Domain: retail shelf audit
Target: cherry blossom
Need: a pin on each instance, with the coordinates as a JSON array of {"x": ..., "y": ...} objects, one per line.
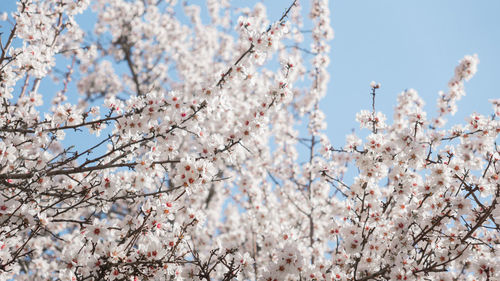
[{"x": 189, "y": 163}]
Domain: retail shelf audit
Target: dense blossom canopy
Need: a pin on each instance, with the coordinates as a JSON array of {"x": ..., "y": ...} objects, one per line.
[{"x": 191, "y": 165}]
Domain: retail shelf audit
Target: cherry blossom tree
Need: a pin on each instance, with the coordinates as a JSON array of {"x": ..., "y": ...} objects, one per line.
[{"x": 192, "y": 164}]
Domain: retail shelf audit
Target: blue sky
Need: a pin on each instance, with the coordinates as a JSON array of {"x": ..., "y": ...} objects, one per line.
[
  {"x": 401, "y": 44},
  {"x": 409, "y": 44}
]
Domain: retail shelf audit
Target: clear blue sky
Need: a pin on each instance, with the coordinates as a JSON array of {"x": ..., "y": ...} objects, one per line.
[
  {"x": 409, "y": 44},
  {"x": 401, "y": 44}
]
